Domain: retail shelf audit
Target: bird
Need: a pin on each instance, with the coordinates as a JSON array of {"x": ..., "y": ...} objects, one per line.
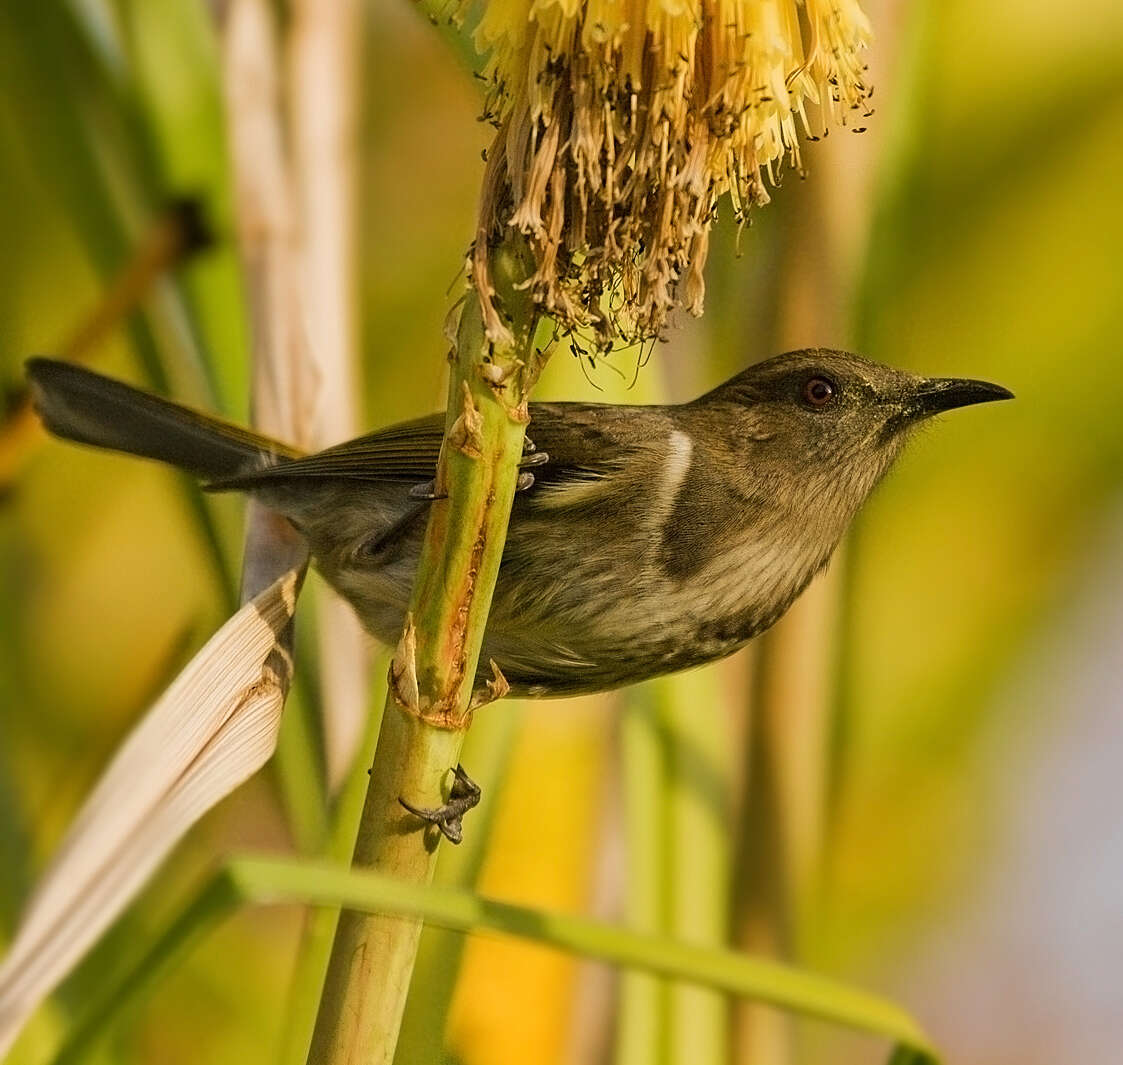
[{"x": 648, "y": 539}]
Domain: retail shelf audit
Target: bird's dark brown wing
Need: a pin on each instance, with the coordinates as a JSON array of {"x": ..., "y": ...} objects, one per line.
[
  {"x": 405, "y": 452},
  {"x": 585, "y": 441},
  {"x": 582, "y": 440}
]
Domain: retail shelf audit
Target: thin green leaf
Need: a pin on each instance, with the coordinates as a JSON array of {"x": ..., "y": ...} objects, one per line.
[
  {"x": 282, "y": 880},
  {"x": 904, "y": 1055}
]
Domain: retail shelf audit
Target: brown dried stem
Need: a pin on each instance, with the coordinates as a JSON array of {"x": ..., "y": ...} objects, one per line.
[
  {"x": 282, "y": 388},
  {"x": 323, "y": 67}
]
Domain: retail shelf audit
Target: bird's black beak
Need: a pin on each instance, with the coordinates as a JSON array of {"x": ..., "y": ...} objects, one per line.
[{"x": 946, "y": 393}]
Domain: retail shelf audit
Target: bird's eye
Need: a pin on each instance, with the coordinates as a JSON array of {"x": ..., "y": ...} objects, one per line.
[{"x": 819, "y": 392}]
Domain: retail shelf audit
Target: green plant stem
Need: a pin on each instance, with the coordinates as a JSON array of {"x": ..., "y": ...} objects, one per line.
[
  {"x": 487, "y": 749},
  {"x": 320, "y": 924},
  {"x": 432, "y": 676},
  {"x": 372, "y": 957},
  {"x": 641, "y": 1025},
  {"x": 298, "y": 772},
  {"x": 697, "y": 810},
  {"x": 286, "y": 881}
]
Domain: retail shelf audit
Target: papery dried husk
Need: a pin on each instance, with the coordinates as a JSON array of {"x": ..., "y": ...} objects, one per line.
[{"x": 621, "y": 125}]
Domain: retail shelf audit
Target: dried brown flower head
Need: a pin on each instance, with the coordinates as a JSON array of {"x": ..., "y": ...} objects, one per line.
[{"x": 621, "y": 123}]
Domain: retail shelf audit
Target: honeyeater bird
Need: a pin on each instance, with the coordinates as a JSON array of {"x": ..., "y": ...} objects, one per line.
[{"x": 649, "y": 539}]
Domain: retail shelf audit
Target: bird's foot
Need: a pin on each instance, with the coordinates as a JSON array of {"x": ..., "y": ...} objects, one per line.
[
  {"x": 531, "y": 457},
  {"x": 464, "y": 795},
  {"x": 534, "y": 458},
  {"x": 427, "y": 490}
]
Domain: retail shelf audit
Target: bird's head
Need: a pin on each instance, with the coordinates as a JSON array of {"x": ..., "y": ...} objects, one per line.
[{"x": 821, "y": 426}]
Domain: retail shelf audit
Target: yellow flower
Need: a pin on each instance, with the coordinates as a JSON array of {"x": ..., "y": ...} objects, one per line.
[{"x": 621, "y": 123}]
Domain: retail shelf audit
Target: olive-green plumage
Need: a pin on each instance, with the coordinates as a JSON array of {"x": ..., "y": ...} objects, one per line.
[{"x": 652, "y": 539}]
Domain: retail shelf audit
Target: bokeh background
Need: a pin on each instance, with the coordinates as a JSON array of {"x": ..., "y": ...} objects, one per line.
[{"x": 913, "y": 783}]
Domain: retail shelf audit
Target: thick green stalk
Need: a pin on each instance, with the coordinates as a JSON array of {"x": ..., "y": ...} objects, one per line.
[
  {"x": 440, "y": 955},
  {"x": 431, "y": 680}
]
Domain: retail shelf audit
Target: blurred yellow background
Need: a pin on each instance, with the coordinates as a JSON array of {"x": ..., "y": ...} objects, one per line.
[{"x": 911, "y": 784}]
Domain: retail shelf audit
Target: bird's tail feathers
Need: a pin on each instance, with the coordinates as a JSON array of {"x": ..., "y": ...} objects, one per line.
[{"x": 89, "y": 408}]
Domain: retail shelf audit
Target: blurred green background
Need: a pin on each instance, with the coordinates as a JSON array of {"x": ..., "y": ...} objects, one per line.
[{"x": 912, "y": 784}]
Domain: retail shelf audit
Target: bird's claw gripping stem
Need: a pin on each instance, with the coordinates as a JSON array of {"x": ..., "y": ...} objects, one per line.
[
  {"x": 464, "y": 795},
  {"x": 427, "y": 490}
]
